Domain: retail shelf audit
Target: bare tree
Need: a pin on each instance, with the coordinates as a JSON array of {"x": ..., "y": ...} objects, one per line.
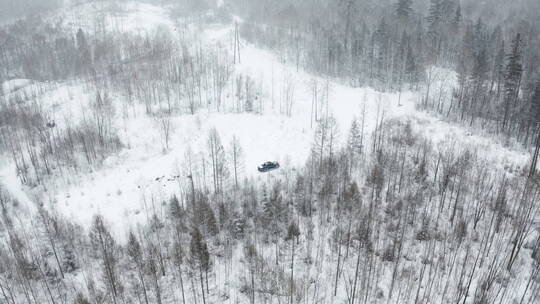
[
  {"x": 104, "y": 244},
  {"x": 236, "y": 157}
]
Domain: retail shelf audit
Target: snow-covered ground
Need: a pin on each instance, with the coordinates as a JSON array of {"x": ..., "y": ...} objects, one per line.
[
  {"x": 142, "y": 175},
  {"x": 9, "y": 182},
  {"x": 14, "y": 85},
  {"x": 136, "y": 17}
]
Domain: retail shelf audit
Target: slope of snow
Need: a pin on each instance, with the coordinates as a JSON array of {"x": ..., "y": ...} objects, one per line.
[
  {"x": 65, "y": 103},
  {"x": 127, "y": 186},
  {"x": 9, "y": 183},
  {"x": 14, "y": 85},
  {"x": 132, "y": 16}
]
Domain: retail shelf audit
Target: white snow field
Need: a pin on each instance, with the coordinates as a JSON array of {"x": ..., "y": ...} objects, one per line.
[{"x": 126, "y": 185}]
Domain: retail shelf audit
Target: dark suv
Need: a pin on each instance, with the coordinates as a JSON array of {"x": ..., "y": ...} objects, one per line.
[{"x": 268, "y": 166}]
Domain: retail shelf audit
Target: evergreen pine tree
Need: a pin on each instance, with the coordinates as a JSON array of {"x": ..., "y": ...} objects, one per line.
[
  {"x": 177, "y": 214},
  {"x": 178, "y": 261},
  {"x": 223, "y": 216},
  {"x": 218, "y": 158},
  {"x": 292, "y": 232},
  {"x": 512, "y": 78},
  {"x": 435, "y": 14},
  {"x": 178, "y": 254},
  {"x": 457, "y": 17},
  {"x": 404, "y": 8},
  {"x": 152, "y": 268},
  {"x": 411, "y": 70},
  {"x": 447, "y": 10},
  {"x": 274, "y": 212},
  {"x": 156, "y": 224},
  {"x": 211, "y": 222},
  {"x": 302, "y": 202},
  {"x": 238, "y": 226},
  {"x": 292, "y": 235},
  {"x": 84, "y": 48},
  {"x": 514, "y": 68},
  {"x": 481, "y": 68},
  {"x": 134, "y": 252},
  {"x": 535, "y": 105},
  {"x": 354, "y": 142},
  {"x": 205, "y": 217},
  {"x": 480, "y": 37},
  {"x": 175, "y": 209},
  {"x": 468, "y": 46},
  {"x": 69, "y": 261},
  {"x": 104, "y": 244},
  {"x": 498, "y": 68},
  {"x": 81, "y": 299},
  {"x": 382, "y": 37},
  {"x": 199, "y": 249},
  {"x": 200, "y": 258},
  {"x": 133, "y": 248}
]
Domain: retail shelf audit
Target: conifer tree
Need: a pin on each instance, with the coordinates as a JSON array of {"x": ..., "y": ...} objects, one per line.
[
  {"x": 250, "y": 252},
  {"x": 512, "y": 78},
  {"x": 435, "y": 14},
  {"x": 84, "y": 48},
  {"x": 410, "y": 67},
  {"x": 535, "y": 106},
  {"x": 178, "y": 261},
  {"x": 211, "y": 221},
  {"x": 223, "y": 214},
  {"x": 134, "y": 252},
  {"x": 404, "y": 8},
  {"x": 498, "y": 69},
  {"x": 81, "y": 299},
  {"x": 200, "y": 259},
  {"x": 481, "y": 68},
  {"x": 292, "y": 235},
  {"x": 153, "y": 269},
  {"x": 177, "y": 214},
  {"x": 69, "y": 261},
  {"x": 236, "y": 155},
  {"x": 104, "y": 244},
  {"x": 355, "y": 141},
  {"x": 447, "y": 9},
  {"x": 457, "y": 17},
  {"x": 218, "y": 159},
  {"x": 205, "y": 217}
]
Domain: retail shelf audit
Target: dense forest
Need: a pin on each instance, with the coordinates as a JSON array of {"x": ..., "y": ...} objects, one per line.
[{"x": 387, "y": 215}]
